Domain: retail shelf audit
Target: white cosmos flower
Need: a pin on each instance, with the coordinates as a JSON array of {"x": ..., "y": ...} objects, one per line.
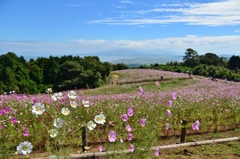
[
  {"x": 85, "y": 103},
  {"x": 91, "y": 125},
  {"x": 54, "y": 98},
  {"x": 53, "y": 132},
  {"x": 38, "y": 108},
  {"x": 58, "y": 123},
  {"x": 59, "y": 95},
  {"x": 100, "y": 119},
  {"x": 73, "y": 104},
  {"x": 49, "y": 90},
  {"x": 65, "y": 111},
  {"x": 72, "y": 95},
  {"x": 24, "y": 148}
]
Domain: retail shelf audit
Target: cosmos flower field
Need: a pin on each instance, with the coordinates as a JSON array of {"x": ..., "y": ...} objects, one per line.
[{"x": 53, "y": 122}]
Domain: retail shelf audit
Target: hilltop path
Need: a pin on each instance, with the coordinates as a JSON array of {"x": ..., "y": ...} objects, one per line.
[{"x": 115, "y": 78}]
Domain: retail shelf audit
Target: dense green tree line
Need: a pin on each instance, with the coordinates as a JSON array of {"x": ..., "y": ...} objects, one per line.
[
  {"x": 204, "y": 65},
  {"x": 58, "y": 73}
]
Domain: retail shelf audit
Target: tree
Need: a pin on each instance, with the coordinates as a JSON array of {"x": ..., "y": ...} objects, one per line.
[
  {"x": 119, "y": 66},
  {"x": 191, "y": 58},
  {"x": 234, "y": 62},
  {"x": 210, "y": 59},
  {"x": 36, "y": 74},
  {"x": 70, "y": 75}
]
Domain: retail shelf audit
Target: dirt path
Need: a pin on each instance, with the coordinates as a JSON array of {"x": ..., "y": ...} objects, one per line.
[{"x": 114, "y": 80}]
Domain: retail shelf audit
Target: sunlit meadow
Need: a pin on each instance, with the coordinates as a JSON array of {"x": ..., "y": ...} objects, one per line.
[{"x": 130, "y": 116}]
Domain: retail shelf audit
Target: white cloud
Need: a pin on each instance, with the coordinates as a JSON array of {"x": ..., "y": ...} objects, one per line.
[
  {"x": 237, "y": 31},
  {"x": 216, "y": 44},
  {"x": 126, "y": 1},
  {"x": 211, "y": 14}
]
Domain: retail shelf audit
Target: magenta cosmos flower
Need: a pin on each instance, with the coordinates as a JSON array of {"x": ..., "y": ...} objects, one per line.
[
  {"x": 100, "y": 148},
  {"x": 156, "y": 152},
  {"x": 168, "y": 113},
  {"x": 128, "y": 127},
  {"x": 130, "y": 112},
  {"x": 169, "y": 103},
  {"x": 130, "y": 136},
  {"x": 140, "y": 90},
  {"x": 124, "y": 117},
  {"x": 143, "y": 121},
  {"x": 174, "y": 96},
  {"x": 195, "y": 126},
  {"x": 167, "y": 126},
  {"x": 14, "y": 120},
  {"x": 112, "y": 136},
  {"x": 25, "y": 132},
  {"x": 131, "y": 148},
  {"x": 6, "y": 110}
]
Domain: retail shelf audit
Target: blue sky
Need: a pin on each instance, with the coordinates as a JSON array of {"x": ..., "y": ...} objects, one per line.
[{"x": 113, "y": 29}]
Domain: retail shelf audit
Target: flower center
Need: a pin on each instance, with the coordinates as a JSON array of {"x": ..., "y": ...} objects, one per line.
[
  {"x": 24, "y": 147},
  {"x": 38, "y": 109}
]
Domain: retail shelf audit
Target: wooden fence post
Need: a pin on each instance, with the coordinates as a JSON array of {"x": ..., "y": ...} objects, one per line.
[
  {"x": 84, "y": 138},
  {"x": 183, "y": 132}
]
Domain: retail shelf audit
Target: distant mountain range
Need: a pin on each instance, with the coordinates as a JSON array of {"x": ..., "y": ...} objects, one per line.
[
  {"x": 141, "y": 57},
  {"x": 126, "y": 56}
]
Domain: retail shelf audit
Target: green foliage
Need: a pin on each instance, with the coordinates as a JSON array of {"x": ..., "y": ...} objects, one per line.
[
  {"x": 209, "y": 59},
  {"x": 191, "y": 58},
  {"x": 234, "y": 62},
  {"x": 119, "y": 66},
  {"x": 59, "y": 73}
]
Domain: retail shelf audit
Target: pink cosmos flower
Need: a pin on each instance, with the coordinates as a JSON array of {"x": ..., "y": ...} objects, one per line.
[
  {"x": 167, "y": 126},
  {"x": 140, "y": 90},
  {"x": 128, "y": 127},
  {"x": 14, "y": 120},
  {"x": 1, "y": 112},
  {"x": 124, "y": 117},
  {"x": 25, "y": 132},
  {"x": 111, "y": 123},
  {"x": 131, "y": 148},
  {"x": 130, "y": 136},
  {"x": 100, "y": 148},
  {"x": 112, "y": 136},
  {"x": 130, "y": 112},
  {"x": 174, "y": 96},
  {"x": 143, "y": 121},
  {"x": 156, "y": 152},
  {"x": 6, "y": 110},
  {"x": 168, "y": 113},
  {"x": 1, "y": 127},
  {"x": 121, "y": 140},
  {"x": 195, "y": 126},
  {"x": 157, "y": 83},
  {"x": 169, "y": 103}
]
